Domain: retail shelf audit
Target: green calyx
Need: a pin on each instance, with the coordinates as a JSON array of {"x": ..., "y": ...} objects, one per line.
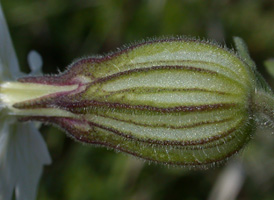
[{"x": 173, "y": 101}]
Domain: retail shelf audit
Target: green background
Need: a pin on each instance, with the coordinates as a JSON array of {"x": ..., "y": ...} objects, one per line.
[{"x": 62, "y": 30}]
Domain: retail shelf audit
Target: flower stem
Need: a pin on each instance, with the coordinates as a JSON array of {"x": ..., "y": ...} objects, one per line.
[{"x": 263, "y": 104}]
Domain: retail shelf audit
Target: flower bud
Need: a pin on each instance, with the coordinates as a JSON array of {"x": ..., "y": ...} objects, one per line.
[{"x": 171, "y": 101}]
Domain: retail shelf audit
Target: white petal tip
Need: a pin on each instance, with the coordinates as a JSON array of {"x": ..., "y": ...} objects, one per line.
[{"x": 35, "y": 62}]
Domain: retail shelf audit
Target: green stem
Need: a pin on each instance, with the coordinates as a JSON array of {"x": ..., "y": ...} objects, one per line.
[{"x": 263, "y": 104}]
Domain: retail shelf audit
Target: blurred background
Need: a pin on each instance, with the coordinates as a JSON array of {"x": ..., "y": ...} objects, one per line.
[{"x": 62, "y": 30}]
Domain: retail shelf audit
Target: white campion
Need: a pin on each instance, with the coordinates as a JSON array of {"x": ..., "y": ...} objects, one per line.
[{"x": 23, "y": 152}]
